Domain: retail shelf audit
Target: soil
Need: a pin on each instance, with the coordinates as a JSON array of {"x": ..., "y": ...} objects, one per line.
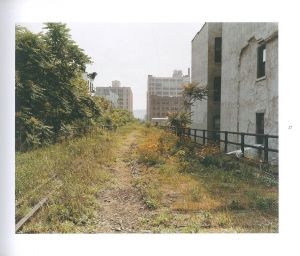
[{"x": 121, "y": 205}]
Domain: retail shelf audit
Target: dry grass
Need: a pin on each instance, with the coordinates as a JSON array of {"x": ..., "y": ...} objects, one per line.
[
  {"x": 80, "y": 169},
  {"x": 218, "y": 193}
]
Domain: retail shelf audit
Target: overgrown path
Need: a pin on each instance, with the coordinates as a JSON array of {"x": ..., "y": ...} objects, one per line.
[
  {"x": 120, "y": 203},
  {"x": 141, "y": 179}
]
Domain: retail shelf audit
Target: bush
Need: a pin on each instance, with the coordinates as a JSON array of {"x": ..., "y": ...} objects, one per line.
[{"x": 262, "y": 203}]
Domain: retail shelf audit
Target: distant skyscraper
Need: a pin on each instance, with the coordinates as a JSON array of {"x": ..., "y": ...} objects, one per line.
[
  {"x": 121, "y": 97},
  {"x": 116, "y": 83},
  {"x": 165, "y": 94}
]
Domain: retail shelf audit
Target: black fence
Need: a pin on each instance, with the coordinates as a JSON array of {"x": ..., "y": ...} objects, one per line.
[{"x": 216, "y": 137}]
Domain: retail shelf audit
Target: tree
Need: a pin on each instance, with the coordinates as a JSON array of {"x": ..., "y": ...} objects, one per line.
[
  {"x": 67, "y": 61},
  {"x": 193, "y": 92},
  {"x": 51, "y": 95}
]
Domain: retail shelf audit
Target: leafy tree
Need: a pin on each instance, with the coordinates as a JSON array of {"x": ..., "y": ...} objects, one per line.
[
  {"x": 179, "y": 120},
  {"x": 193, "y": 92},
  {"x": 51, "y": 95},
  {"x": 52, "y": 98}
]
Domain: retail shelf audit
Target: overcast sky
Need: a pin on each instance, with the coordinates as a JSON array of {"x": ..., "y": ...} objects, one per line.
[{"x": 128, "y": 52}]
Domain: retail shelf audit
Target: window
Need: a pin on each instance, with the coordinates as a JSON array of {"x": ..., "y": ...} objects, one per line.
[
  {"x": 260, "y": 127},
  {"x": 216, "y": 123},
  {"x": 218, "y": 49},
  {"x": 216, "y": 127},
  {"x": 261, "y": 61},
  {"x": 217, "y": 89}
]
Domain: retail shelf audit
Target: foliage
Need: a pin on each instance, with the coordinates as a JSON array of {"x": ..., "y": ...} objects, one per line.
[
  {"x": 179, "y": 119},
  {"x": 192, "y": 92},
  {"x": 156, "y": 147},
  {"x": 52, "y": 98},
  {"x": 213, "y": 192}
]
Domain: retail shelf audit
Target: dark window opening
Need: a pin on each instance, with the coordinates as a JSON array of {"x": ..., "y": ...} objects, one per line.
[
  {"x": 216, "y": 127},
  {"x": 261, "y": 61},
  {"x": 216, "y": 123},
  {"x": 217, "y": 89},
  {"x": 260, "y": 128},
  {"x": 218, "y": 49}
]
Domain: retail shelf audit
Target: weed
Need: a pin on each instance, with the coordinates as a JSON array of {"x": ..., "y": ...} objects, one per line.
[
  {"x": 196, "y": 193},
  {"x": 235, "y": 204},
  {"x": 77, "y": 164},
  {"x": 223, "y": 220},
  {"x": 266, "y": 204},
  {"x": 207, "y": 220},
  {"x": 162, "y": 219},
  {"x": 152, "y": 196}
]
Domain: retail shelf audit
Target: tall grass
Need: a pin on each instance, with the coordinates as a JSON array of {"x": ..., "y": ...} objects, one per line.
[
  {"x": 218, "y": 191},
  {"x": 79, "y": 166}
]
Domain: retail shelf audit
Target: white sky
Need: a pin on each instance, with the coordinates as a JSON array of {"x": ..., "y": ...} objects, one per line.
[{"x": 128, "y": 52}]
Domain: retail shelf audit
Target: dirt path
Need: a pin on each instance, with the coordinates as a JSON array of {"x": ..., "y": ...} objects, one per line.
[{"x": 120, "y": 204}]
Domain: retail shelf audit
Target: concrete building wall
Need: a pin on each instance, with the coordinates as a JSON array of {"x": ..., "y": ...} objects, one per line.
[
  {"x": 243, "y": 95},
  {"x": 214, "y": 70},
  {"x": 204, "y": 70},
  {"x": 124, "y": 96},
  {"x": 200, "y": 75}
]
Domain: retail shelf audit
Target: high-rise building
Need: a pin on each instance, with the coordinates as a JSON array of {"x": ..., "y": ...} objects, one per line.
[
  {"x": 120, "y": 96},
  {"x": 115, "y": 83},
  {"x": 164, "y": 94}
]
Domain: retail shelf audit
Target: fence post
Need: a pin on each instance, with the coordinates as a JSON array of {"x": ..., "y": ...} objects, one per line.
[
  {"x": 266, "y": 148},
  {"x": 195, "y": 134},
  {"x": 189, "y": 132},
  {"x": 203, "y": 137},
  {"x": 243, "y": 142},
  {"x": 226, "y": 141}
]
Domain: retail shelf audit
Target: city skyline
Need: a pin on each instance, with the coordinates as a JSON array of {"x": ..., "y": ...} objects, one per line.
[{"x": 129, "y": 52}]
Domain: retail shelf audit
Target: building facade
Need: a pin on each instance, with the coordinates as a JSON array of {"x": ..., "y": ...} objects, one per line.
[
  {"x": 248, "y": 75},
  {"x": 206, "y": 71},
  {"x": 164, "y": 94},
  {"x": 250, "y": 80},
  {"x": 120, "y": 96}
]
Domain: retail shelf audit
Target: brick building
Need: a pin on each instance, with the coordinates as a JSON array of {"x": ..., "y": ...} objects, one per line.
[{"x": 164, "y": 94}]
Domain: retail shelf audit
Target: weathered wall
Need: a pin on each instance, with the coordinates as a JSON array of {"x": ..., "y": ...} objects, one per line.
[
  {"x": 199, "y": 74},
  {"x": 214, "y": 70},
  {"x": 204, "y": 70},
  {"x": 242, "y": 94}
]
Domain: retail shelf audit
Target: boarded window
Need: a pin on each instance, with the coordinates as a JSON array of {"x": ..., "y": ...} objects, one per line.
[
  {"x": 261, "y": 61},
  {"x": 260, "y": 127},
  {"x": 218, "y": 49},
  {"x": 217, "y": 88}
]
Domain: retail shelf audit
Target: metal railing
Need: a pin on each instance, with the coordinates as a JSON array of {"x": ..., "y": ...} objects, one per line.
[{"x": 213, "y": 136}]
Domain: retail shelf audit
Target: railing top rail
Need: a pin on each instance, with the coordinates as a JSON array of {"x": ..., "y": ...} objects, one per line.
[{"x": 229, "y": 132}]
